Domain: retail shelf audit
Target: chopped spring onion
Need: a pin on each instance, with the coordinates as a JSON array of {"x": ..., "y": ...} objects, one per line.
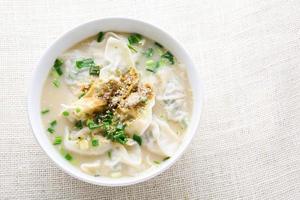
[
  {"x": 112, "y": 127},
  {"x": 91, "y": 124},
  {"x": 109, "y": 154},
  {"x": 134, "y": 38},
  {"x": 166, "y": 158},
  {"x": 137, "y": 138},
  {"x": 77, "y": 110},
  {"x": 95, "y": 142},
  {"x": 149, "y": 53},
  {"x": 79, "y": 124},
  {"x": 81, "y": 95},
  {"x": 132, "y": 48},
  {"x": 156, "y": 162},
  {"x": 152, "y": 66},
  {"x": 84, "y": 63},
  {"x": 100, "y": 36},
  {"x": 53, "y": 123},
  {"x": 50, "y": 130},
  {"x": 57, "y": 140},
  {"x": 68, "y": 157},
  {"x": 169, "y": 56},
  {"x": 45, "y": 111},
  {"x": 56, "y": 83},
  {"x": 57, "y": 66},
  {"x": 95, "y": 70},
  {"x": 52, "y": 126},
  {"x": 66, "y": 113},
  {"x": 158, "y": 44}
]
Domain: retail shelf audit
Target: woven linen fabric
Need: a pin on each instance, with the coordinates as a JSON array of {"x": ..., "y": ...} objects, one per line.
[{"x": 248, "y": 143}]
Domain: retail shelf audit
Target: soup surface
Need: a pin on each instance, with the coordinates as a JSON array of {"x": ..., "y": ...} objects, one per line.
[{"x": 116, "y": 104}]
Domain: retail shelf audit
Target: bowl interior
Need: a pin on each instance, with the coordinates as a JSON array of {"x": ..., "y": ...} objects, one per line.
[{"x": 80, "y": 33}]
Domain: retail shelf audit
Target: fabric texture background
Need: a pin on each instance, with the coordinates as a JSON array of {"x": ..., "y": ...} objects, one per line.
[{"x": 248, "y": 142}]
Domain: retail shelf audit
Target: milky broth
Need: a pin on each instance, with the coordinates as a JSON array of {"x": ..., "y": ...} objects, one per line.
[{"x": 54, "y": 99}]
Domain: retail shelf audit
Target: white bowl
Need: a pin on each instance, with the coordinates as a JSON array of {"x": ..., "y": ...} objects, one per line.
[{"x": 84, "y": 31}]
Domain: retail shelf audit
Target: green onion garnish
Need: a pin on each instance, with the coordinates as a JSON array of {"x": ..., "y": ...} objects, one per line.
[
  {"x": 52, "y": 126},
  {"x": 132, "y": 48},
  {"x": 66, "y": 113},
  {"x": 109, "y": 154},
  {"x": 77, "y": 110},
  {"x": 149, "y": 53},
  {"x": 152, "y": 66},
  {"x": 81, "y": 95},
  {"x": 79, "y": 124},
  {"x": 91, "y": 124},
  {"x": 57, "y": 66},
  {"x": 68, "y": 157},
  {"x": 95, "y": 142},
  {"x": 53, "y": 123},
  {"x": 57, "y": 140},
  {"x": 100, "y": 36},
  {"x": 95, "y": 70},
  {"x": 156, "y": 162},
  {"x": 56, "y": 83},
  {"x": 50, "y": 130},
  {"x": 45, "y": 111},
  {"x": 84, "y": 63},
  {"x": 169, "y": 56},
  {"x": 134, "y": 38},
  {"x": 137, "y": 138},
  {"x": 166, "y": 158},
  {"x": 158, "y": 44}
]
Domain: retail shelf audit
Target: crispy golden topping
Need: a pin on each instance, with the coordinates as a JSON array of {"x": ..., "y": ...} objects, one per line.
[{"x": 125, "y": 95}]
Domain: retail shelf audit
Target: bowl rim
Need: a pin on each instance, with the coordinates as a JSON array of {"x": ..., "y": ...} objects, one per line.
[{"x": 34, "y": 100}]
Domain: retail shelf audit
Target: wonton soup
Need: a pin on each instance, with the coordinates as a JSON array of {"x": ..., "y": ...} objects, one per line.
[{"x": 116, "y": 104}]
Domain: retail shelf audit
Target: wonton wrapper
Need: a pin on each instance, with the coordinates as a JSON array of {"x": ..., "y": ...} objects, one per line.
[
  {"x": 160, "y": 139},
  {"x": 139, "y": 125},
  {"x": 173, "y": 96},
  {"x": 131, "y": 155},
  {"x": 92, "y": 168},
  {"x": 83, "y": 145},
  {"x": 118, "y": 54}
]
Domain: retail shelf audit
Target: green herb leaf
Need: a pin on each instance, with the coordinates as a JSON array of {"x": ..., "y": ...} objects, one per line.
[
  {"x": 85, "y": 63},
  {"x": 81, "y": 95},
  {"x": 132, "y": 48},
  {"x": 45, "y": 111},
  {"x": 156, "y": 162},
  {"x": 50, "y": 130},
  {"x": 134, "y": 38},
  {"x": 149, "y": 53},
  {"x": 57, "y": 140},
  {"x": 95, "y": 142},
  {"x": 79, "y": 124},
  {"x": 109, "y": 154},
  {"x": 159, "y": 45},
  {"x": 112, "y": 128},
  {"x": 166, "y": 158},
  {"x": 91, "y": 124},
  {"x": 57, "y": 66},
  {"x": 169, "y": 56},
  {"x": 77, "y": 110},
  {"x": 53, "y": 123},
  {"x": 137, "y": 138},
  {"x": 66, "y": 113},
  {"x": 152, "y": 66},
  {"x": 100, "y": 36},
  {"x": 56, "y": 83},
  {"x": 95, "y": 70},
  {"x": 68, "y": 157}
]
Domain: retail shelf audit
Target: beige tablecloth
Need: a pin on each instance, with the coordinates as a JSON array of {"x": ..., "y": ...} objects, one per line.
[{"x": 248, "y": 143}]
